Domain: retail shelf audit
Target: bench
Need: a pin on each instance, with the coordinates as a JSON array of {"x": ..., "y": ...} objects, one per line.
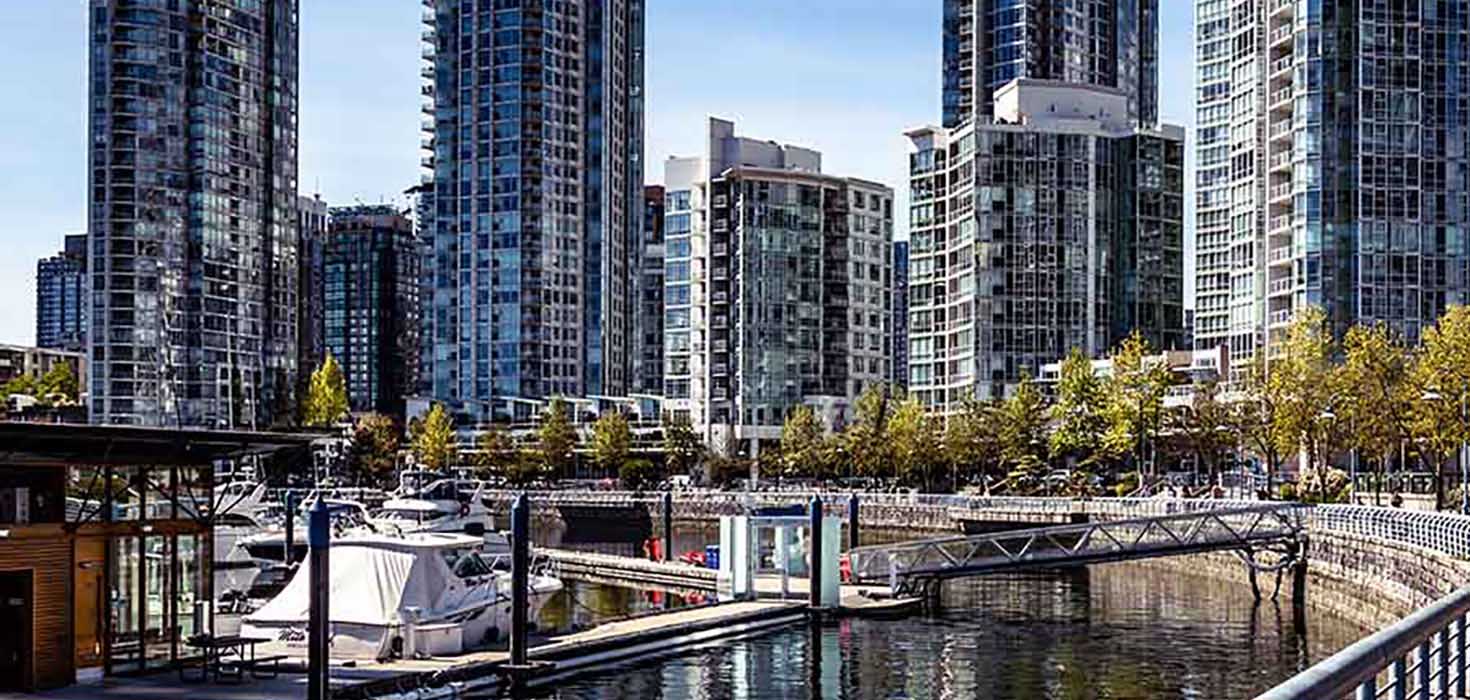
[{"x": 262, "y": 667}]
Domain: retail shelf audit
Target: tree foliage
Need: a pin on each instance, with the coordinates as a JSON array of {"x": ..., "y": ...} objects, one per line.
[
  {"x": 917, "y": 452},
  {"x": 682, "y": 446},
  {"x": 612, "y": 440},
  {"x": 556, "y": 439},
  {"x": 972, "y": 440},
  {"x": 1023, "y": 440},
  {"x": 1439, "y": 380},
  {"x": 433, "y": 439},
  {"x": 374, "y": 450},
  {"x": 57, "y": 387},
  {"x": 326, "y": 396},
  {"x": 1375, "y": 376},
  {"x": 495, "y": 452},
  {"x": 1135, "y": 397},
  {"x": 1079, "y": 414},
  {"x": 866, "y": 439},
  {"x": 1206, "y": 426},
  {"x": 802, "y": 443},
  {"x": 1304, "y": 380}
]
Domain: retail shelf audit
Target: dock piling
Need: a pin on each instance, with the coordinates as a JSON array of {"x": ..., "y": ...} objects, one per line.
[
  {"x": 318, "y": 539},
  {"x": 852, "y": 522},
  {"x": 668, "y": 526},
  {"x": 814, "y": 556},
  {"x": 290, "y": 558},
  {"x": 520, "y": 561}
]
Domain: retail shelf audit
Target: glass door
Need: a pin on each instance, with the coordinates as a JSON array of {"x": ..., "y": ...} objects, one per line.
[
  {"x": 160, "y": 630},
  {"x": 124, "y": 588}
]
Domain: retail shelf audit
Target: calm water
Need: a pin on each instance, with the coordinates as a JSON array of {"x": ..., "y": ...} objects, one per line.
[{"x": 1141, "y": 631}]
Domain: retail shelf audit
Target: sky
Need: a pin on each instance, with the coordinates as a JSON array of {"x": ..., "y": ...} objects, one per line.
[{"x": 846, "y": 77}]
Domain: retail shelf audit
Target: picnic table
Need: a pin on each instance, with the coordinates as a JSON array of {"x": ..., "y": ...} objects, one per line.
[{"x": 214, "y": 649}]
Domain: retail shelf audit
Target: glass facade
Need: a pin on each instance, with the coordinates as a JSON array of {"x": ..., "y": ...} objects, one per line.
[
  {"x": 192, "y": 211},
  {"x": 61, "y": 297},
  {"x": 988, "y": 43},
  {"x": 648, "y": 369},
  {"x": 1332, "y": 165},
  {"x": 371, "y": 270},
  {"x": 537, "y": 191}
]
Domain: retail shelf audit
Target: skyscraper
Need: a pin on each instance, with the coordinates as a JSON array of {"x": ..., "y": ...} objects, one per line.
[
  {"x": 1048, "y": 213},
  {"x": 899, "y": 338},
  {"x": 192, "y": 142},
  {"x": 371, "y": 270},
  {"x": 311, "y": 233},
  {"x": 649, "y": 365},
  {"x": 988, "y": 43},
  {"x": 537, "y": 143},
  {"x": 61, "y": 297},
  {"x": 777, "y": 288},
  {"x": 1331, "y": 158}
]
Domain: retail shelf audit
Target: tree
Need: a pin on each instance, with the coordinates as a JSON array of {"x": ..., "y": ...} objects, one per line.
[
  {"x": 1304, "y": 380},
  {"x": 637, "y": 474},
  {"x": 1080, "y": 414},
  {"x": 1440, "y": 375},
  {"x": 1023, "y": 443},
  {"x": 557, "y": 439},
  {"x": 1252, "y": 417},
  {"x": 326, "y": 396},
  {"x": 433, "y": 443},
  {"x": 495, "y": 452},
  {"x": 802, "y": 443},
  {"x": 58, "y": 387},
  {"x": 1135, "y": 397},
  {"x": 1374, "y": 391},
  {"x": 917, "y": 449},
  {"x": 972, "y": 440},
  {"x": 682, "y": 447},
  {"x": 374, "y": 449},
  {"x": 612, "y": 440},
  {"x": 866, "y": 440},
  {"x": 1205, "y": 425}
]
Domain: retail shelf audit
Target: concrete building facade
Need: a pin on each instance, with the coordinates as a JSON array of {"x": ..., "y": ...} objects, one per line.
[{"x": 777, "y": 289}]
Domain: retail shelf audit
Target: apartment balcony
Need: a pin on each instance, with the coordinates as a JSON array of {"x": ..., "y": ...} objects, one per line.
[
  {"x": 427, "y": 72},
  {"x": 1281, "y": 98},
  {"x": 1281, "y": 65},
  {"x": 1276, "y": 7},
  {"x": 1279, "y": 34},
  {"x": 1280, "y": 159},
  {"x": 1279, "y": 317},
  {"x": 1280, "y": 128},
  {"x": 1280, "y": 255},
  {"x": 1281, "y": 286},
  {"x": 1279, "y": 191}
]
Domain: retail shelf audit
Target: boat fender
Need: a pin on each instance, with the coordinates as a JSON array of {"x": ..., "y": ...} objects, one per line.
[{"x": 464, "y": 509}]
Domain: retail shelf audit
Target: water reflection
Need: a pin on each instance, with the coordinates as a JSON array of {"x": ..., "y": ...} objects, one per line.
[{"x": 1120, "y": 631}]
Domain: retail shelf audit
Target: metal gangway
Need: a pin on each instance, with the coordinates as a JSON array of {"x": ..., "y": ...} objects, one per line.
[{"x": 916, "y": 566}]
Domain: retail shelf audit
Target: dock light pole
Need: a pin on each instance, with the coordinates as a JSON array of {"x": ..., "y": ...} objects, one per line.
[
  {"x": 319, "y": 539},
  {"x": 852, "y": 522},
  {"x": 814, "y": 590},
  {"x": 520, "y": 564},
  {"x": 668, "y": 526}
]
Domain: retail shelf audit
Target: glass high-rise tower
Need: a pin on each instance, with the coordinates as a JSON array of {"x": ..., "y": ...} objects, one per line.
[
  {"x": 536, "y": 125},
  {"x": 1331, "y": 165},
  {"x": 1109, "y": 43},
  {"x": 192, "y": 145}
]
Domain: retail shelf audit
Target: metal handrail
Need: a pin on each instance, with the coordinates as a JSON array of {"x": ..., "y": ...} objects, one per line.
[{"x": 1355, "y": 670}]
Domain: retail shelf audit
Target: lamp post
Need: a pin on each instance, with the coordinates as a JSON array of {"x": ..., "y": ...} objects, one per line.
[{"x": 1328, "y": 417}]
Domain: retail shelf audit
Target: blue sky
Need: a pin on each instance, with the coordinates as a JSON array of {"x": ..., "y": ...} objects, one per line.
[{"x": 843, "y": 76}]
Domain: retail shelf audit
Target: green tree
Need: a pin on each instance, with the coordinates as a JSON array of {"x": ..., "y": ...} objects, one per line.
[
  {"x": 557, "y": 439},
  {"x": 802, "y": 443},
  {"x": 1440, "y": 393},
  {"x": 24, "y": 385},
  {"x": 1135, "y": 398},
  {"x": 374, "y": 451},
  {"x": 637, "y": 474},
  {"x": 682, "y": 447},
  {"x": 612, "y": 440},
  {"x": 866, "y": 439},
  {"x": 495, "y": 452},
  {"x": 972, "y": 440},
  {"x": 916, "y": 444},
  {"x": 1080, "y": 414},
  {"x": 1252, "y": 417},
  {"x": 1023, "y": 441},
  {"x": 58, "y": 387},
  {"x": 524, "y": 467},
  {"x": 1374, "y": 393},
  {"x": 1304, "y": 379},
  {"x": 326, "y": 396},
  {"x": 1205, "y": 426},
  {"x": 434, "y": 443}
]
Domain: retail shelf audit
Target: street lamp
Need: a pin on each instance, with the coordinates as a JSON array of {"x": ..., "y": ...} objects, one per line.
[{"x": 1433, "y": 395}]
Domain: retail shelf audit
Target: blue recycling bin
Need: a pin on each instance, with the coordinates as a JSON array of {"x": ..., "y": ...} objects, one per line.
[{"x": 712, "y": 556}]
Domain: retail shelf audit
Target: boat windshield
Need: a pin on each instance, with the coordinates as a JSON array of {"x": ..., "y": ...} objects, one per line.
[
  {"x": 467, "y": 564},
  {"x": 411, "y": 515}
]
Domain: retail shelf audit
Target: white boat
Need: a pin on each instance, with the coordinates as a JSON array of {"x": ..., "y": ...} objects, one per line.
[
  {"x": 444, "y": 505},
  {"x": 417, "y": 595},
  {"x": 268, "y": 547}
]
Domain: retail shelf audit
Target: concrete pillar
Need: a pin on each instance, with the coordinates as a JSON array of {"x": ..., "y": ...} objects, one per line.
[
  {"x": 814, "y": 553},
  {"x": 319, "y": 534},
  {"x": 520, "y": 578}
]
